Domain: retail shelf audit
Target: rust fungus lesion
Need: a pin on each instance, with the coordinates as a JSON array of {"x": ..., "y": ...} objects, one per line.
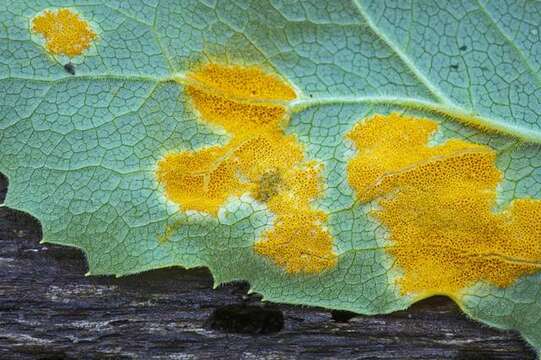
[
  {"x": 259, "y": 159},
  {"x": 437, "y": 205},
  {"x": 64, "y": 31}
]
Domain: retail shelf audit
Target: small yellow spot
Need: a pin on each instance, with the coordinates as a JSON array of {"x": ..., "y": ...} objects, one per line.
[
  {"x": 64, "y": 31},
  {"x": 437, "y": 204},
  {"x": 259, "y": 159}
]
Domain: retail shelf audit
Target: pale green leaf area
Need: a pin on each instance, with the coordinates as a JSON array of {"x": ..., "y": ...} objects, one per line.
[{"x": 80, "y": 150}]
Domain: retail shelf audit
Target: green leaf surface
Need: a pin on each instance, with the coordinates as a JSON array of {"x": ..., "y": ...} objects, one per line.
[{"x": 80, "y": 151}]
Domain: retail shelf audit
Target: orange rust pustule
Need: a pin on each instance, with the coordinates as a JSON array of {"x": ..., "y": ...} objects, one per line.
[
  {"x": 238, "y": 118},
  {"x": 242, "y": 82},
  {"x": 64, "y": 31},
  {"x": 436, "y": 203},
  {"x": 259, "y": 159}
]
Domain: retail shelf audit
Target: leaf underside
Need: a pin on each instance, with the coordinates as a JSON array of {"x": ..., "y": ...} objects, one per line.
[{"x": 80, "y": 144}]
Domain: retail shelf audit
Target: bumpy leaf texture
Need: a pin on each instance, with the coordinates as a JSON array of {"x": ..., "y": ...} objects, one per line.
[{"x": 356, "y": 155}]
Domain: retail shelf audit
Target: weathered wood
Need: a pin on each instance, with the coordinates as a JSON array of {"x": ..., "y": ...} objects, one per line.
[{"x": 50, "y": 310}]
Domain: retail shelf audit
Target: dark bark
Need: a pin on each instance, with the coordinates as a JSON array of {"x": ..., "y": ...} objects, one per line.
[{"x": 50, "y": 310}]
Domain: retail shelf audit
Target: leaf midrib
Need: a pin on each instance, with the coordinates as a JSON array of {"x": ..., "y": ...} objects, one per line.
[{"x": 302, "y": 103}]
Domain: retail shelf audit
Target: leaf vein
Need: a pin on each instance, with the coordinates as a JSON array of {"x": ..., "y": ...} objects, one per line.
[{"x": 435, "y": 91}]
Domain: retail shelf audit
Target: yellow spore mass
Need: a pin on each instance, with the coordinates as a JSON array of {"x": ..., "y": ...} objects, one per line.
[
  {"x": 259, "y": 159},
  {"x": 64, "y": 31},
  {"x": 436, "y": 203}
]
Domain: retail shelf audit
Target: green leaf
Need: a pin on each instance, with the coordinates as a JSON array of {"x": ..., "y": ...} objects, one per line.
[{"x": 81, "y": 151}]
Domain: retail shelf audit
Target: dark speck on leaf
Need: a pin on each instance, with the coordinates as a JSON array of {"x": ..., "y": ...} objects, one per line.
[
  {"x": 454, "y": 66},
  {"x": 463, "y": 48},
  {"x": 70, "y": 68}
]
